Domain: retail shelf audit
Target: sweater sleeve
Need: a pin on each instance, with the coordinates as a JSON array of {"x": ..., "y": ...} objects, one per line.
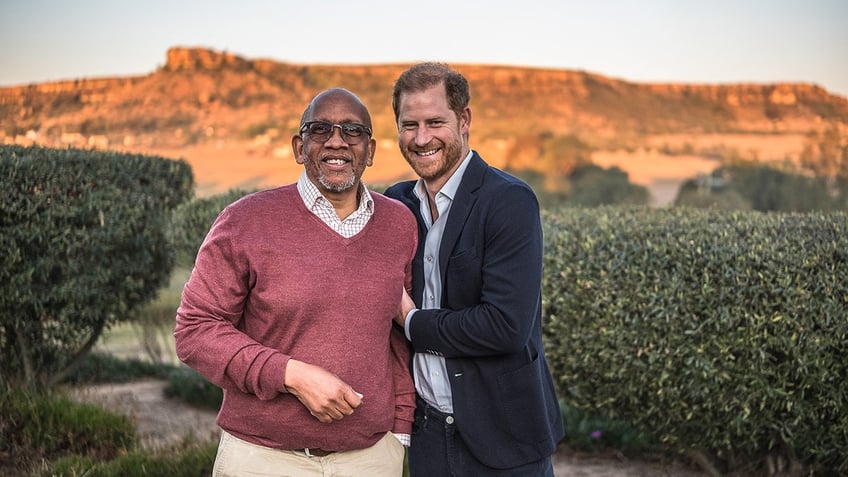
[
  {"x": 404, "y": 386},
  {"x": 402, "y": 354},
  {"x": 207, "y": 336}
]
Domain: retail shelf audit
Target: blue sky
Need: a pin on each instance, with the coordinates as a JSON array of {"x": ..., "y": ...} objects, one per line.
[{"x": 720, "y": 41}]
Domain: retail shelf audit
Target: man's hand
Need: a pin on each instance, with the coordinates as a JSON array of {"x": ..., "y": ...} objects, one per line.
[
  {"x": 327, "y": 397},
  {"x": 406, "y": 305}
]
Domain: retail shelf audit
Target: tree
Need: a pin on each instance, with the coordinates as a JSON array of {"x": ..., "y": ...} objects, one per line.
[
  {"x": 770, "y": 189},
  {"x": 593, "y": 186},
  {"x": 744, "y": 185},
  {"x": 710, "y": 192},
  {"x": 826, "y": 156}
]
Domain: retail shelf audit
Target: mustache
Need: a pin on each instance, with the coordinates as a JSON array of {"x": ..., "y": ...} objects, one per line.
[{"x": 335, "y": 155}]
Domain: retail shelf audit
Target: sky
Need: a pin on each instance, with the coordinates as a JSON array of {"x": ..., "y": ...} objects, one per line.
[{"x": 704, "y": 42}]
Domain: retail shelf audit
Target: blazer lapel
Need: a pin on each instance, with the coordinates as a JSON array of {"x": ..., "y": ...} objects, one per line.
[{"x": 466, "y": 197}]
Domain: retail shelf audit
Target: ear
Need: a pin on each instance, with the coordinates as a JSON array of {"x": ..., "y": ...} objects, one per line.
[
  {"x": 372, "y": 150},
  {"x": 297, "y": 149},
  {"x": 465, "y": 121}
]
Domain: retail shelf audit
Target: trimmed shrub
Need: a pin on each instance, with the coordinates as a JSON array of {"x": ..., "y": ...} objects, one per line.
[
  {"x": 189, "y": 386},
  {"x": 83, "y": 236},
  {"x": 721, "y": 332}
]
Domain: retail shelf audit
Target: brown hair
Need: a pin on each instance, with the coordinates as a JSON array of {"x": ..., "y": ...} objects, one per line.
[{"x": 426, "y": 75}]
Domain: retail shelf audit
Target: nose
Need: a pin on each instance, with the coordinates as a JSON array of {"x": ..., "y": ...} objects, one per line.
[
  {"x": 336, "y": 140},
  {"x": 422, "y": 136}
]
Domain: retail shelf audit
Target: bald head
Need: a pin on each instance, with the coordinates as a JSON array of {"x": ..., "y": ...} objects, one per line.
[{"x": 334, "y": 97}]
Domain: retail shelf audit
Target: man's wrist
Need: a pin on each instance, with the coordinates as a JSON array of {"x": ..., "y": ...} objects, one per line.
[{"x": 406, "y": 323}]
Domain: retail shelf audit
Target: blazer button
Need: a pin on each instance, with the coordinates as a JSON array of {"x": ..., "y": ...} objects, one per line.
[{"x": 449, "y": 419}]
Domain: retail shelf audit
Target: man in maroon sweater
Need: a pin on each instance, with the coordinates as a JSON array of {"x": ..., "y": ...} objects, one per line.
[{"x": 289, "y": 310}]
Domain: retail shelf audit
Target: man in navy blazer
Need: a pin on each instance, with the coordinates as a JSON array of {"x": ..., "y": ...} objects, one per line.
[{"x": 486, "y": 400}]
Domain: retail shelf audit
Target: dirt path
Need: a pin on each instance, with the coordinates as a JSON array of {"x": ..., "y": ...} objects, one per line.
[
  {"x": 161, "y": 422},
  {"x": 164, "y": 422}
]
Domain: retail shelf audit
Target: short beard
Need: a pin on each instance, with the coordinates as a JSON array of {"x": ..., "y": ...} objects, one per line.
[
  {"x": 451, "y": 155},
  {"x": 333, "y": 187}
]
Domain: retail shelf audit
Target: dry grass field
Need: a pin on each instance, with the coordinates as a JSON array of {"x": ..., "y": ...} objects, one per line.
[
  {"x": 225, "y": 165},
  {"x": 222, "y": 165}
]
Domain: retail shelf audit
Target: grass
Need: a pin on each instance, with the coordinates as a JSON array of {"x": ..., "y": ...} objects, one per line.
[
  {"x": 196, "y": 460},
  {"x": 36, "y": 429}
]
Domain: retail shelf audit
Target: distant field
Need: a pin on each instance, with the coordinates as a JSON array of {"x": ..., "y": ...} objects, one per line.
[
  {"x": 225, "y": 165},
  {"x": 126, "y": 341},
  {"x": 218, "y": 168}
]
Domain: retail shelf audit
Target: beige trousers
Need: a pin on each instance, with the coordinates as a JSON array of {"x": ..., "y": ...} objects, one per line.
[{"x": 239, "y": 458}]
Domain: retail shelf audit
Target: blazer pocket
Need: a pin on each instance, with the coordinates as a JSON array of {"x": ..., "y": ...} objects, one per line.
[
  {"x": 463, "y": 280},
  {"x": 523, "y": 400},
  {"x": 464, "y": 259}
]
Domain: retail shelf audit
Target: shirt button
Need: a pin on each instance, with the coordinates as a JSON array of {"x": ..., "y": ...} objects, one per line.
[
  {"x": 429, "y": 258},
  {"x": 449, "y": 419}
]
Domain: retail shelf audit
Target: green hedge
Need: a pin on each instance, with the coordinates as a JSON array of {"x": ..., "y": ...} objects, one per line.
[
  {"x": 721, "y": 332},
  {"x": 83, "y": 240}
]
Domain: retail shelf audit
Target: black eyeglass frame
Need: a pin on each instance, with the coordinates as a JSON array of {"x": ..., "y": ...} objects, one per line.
[{"x": 344, "y": 128}]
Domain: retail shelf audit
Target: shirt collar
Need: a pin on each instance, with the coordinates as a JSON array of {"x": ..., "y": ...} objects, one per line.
[{"x": 313, "y": 198}]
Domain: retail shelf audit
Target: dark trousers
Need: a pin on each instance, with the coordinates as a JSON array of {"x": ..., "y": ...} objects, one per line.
[{"x": 438, "y": 450}]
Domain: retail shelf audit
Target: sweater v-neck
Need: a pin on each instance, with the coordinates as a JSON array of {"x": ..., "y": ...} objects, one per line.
[{"x": 329, "y": 230}]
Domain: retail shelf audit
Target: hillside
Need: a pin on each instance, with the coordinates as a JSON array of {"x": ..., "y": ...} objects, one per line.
[{"x": 232, "y": 118}]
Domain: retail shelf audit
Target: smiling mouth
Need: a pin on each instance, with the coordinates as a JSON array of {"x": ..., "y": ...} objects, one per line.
[
  {"x": 336, "y": 161},
  {"x": 427, "y": 153}
]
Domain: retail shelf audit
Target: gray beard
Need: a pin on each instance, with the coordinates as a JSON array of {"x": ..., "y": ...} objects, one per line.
[{"x": 337, "y": 187}]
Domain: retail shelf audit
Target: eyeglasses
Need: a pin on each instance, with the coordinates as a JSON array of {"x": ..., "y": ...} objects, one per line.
[{"x": 320, "y": 131}]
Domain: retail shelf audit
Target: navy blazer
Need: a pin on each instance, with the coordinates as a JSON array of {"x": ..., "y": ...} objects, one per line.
[{"x": 489, "y": 329}]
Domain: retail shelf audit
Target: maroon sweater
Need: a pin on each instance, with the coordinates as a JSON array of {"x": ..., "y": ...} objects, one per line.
[{"x": 273, "y": 282}]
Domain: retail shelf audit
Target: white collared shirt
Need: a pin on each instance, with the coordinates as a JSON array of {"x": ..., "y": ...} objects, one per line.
[
  {"x": 323, "y": 208},
  {"x": 430, "y": 371}
]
